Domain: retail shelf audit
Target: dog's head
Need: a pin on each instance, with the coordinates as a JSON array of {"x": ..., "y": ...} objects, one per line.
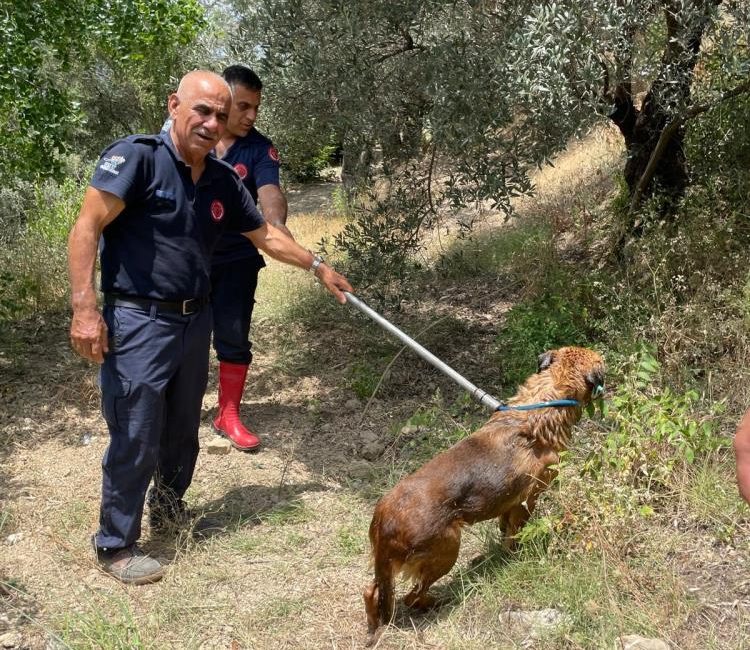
[{"x": 577, "y": 370}]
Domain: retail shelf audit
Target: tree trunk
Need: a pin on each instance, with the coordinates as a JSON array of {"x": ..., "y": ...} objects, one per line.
[
  {"x": 670, "y": 176},
  {"x": 666, "y": 99},
  {"x": 355, "y": 166}
]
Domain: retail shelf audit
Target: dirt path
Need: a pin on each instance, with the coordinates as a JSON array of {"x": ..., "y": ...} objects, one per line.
[{"x": 311, "y": 197}]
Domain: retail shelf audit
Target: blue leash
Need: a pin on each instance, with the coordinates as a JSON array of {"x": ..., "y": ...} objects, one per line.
[
  {"x": 597, "y": 393},
  {"x": 539, "y": 405}
]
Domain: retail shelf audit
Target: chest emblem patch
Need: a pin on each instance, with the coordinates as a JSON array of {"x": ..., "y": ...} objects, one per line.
[
  {"x": 273, "y": 154},
  {"x": 217, "y": 210},
  {"x": 241, "y": 170}
]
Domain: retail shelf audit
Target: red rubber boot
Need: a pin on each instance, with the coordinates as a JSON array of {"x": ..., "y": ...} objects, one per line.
[{"x": 227, "y": 423}]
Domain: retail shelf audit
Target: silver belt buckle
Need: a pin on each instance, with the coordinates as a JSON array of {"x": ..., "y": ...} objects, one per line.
[{"x": 185, "y": 307}]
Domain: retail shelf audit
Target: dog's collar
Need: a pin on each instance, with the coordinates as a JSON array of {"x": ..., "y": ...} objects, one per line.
[{"x": 539, "y": 405}]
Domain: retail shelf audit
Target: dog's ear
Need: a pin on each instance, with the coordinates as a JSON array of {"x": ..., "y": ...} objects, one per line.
[{"x": 545, "y": 360}]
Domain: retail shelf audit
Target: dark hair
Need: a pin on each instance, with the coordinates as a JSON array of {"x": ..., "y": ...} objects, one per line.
[{"x": 241, "y": 74}]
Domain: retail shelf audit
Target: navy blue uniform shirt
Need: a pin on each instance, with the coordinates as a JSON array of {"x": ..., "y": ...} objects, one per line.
[
  {"x": 256, "y": 161},
  {"x": 160, "y": 245}
]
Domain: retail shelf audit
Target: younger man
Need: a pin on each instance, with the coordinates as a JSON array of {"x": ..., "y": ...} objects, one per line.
[{"x": 236, "y": 262}]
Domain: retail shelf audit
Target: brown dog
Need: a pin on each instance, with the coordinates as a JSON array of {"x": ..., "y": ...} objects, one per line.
[{"x": 498, "y": 471}]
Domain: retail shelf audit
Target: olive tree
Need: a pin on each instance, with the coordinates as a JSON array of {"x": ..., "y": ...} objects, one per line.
[
  {"x": 662, "y": 65},
  {"x": 454, "y": 102}
]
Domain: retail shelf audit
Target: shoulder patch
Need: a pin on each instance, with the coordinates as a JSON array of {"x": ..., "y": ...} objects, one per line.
[
  {"x": 111, "y": 163},
  {"x": 273, "y": 153}
]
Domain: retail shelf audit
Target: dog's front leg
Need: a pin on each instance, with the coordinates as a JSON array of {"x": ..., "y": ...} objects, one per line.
[
  {"x": 511, "y": 522},
  {"x": 516, "y": 517}
]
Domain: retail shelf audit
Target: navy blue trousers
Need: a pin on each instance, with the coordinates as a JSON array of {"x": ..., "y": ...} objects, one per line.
[
  {"x": 233, "y": 287},
  {"x": 152, "y": 380}
]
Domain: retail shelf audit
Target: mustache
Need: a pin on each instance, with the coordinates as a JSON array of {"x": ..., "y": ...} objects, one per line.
[{"x": 206, "y": 134}]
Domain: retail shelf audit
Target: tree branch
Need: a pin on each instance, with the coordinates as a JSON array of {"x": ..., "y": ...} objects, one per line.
[
  {"x": 648, "y": 173},
  {"x": 429, "y": 179},
  {"x": 408, "y": 46},
  {"x": 729, "y": 94}
]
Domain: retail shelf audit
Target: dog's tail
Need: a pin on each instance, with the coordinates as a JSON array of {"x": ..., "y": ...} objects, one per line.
[{"x": 379, "y": 596}]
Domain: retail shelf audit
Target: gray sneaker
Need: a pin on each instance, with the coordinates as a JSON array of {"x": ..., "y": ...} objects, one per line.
[{"x": 129, "y": 565}]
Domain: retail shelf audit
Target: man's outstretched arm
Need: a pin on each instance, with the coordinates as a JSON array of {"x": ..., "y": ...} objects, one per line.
[{"x": 274, "y": 206}]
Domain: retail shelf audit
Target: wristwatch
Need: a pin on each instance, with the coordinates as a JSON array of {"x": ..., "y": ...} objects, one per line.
[{"x": 317, "y": 261}]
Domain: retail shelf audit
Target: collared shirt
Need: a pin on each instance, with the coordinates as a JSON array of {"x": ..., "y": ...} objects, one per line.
[
  {"x": 160, "y": 245},
  {"x": 256, "y": 161}
]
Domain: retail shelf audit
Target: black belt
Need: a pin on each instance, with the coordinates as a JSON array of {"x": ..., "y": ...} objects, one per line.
[{"x": 182, "y": 307}]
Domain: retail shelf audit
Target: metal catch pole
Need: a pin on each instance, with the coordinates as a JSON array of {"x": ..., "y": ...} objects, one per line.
[{"x": 477, "y": 393}]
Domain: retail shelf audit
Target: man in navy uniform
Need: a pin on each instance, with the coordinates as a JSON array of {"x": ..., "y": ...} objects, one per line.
[
  {"x": 236, "y": 262},
  {"x": 159, "y": 204}
]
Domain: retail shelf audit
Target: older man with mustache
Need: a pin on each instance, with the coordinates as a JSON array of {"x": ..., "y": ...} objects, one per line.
[{"x": 159, "y": 203}]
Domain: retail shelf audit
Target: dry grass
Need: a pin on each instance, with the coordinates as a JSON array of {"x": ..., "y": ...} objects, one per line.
[{"x": 586, "y": 163}]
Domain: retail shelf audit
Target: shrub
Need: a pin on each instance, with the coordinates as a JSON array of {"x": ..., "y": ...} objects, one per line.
[
  {"x": 304, "y": 166},
  {"x": 16, "y": 201},
  {"x": 34, "y": 263},
  {"x": 560, "y": 316},
  {"x": 654, "y": 429}
]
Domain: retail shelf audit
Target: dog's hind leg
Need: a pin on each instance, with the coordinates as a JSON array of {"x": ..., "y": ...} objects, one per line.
[
  {"x": 418, "y": 598},
  {"x": 431, "y": 567}
]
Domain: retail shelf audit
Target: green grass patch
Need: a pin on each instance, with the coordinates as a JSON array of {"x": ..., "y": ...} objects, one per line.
[
  {"x": 276, "y": 611},
  {"x": 75, "y": 516},
  {"x": 7, "y": 523},
  {"x": 94, "y": 627},
  {"x": 245, "y": 544},
  {"x": 712, "y": 501},
  {"x": 599, "y": 596},
  {"x": 289, "y": 512},
  {"x": 350, "y": 542},
  {"x": 364, "y": 378},
  {"x": 295, "y": 541},
  {"x": 430, "y": 430},
  {"x": 513, "y": 253}
]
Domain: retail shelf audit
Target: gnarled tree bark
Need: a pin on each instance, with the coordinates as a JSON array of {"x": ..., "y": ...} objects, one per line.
[{"x": 654, "y": 132}]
